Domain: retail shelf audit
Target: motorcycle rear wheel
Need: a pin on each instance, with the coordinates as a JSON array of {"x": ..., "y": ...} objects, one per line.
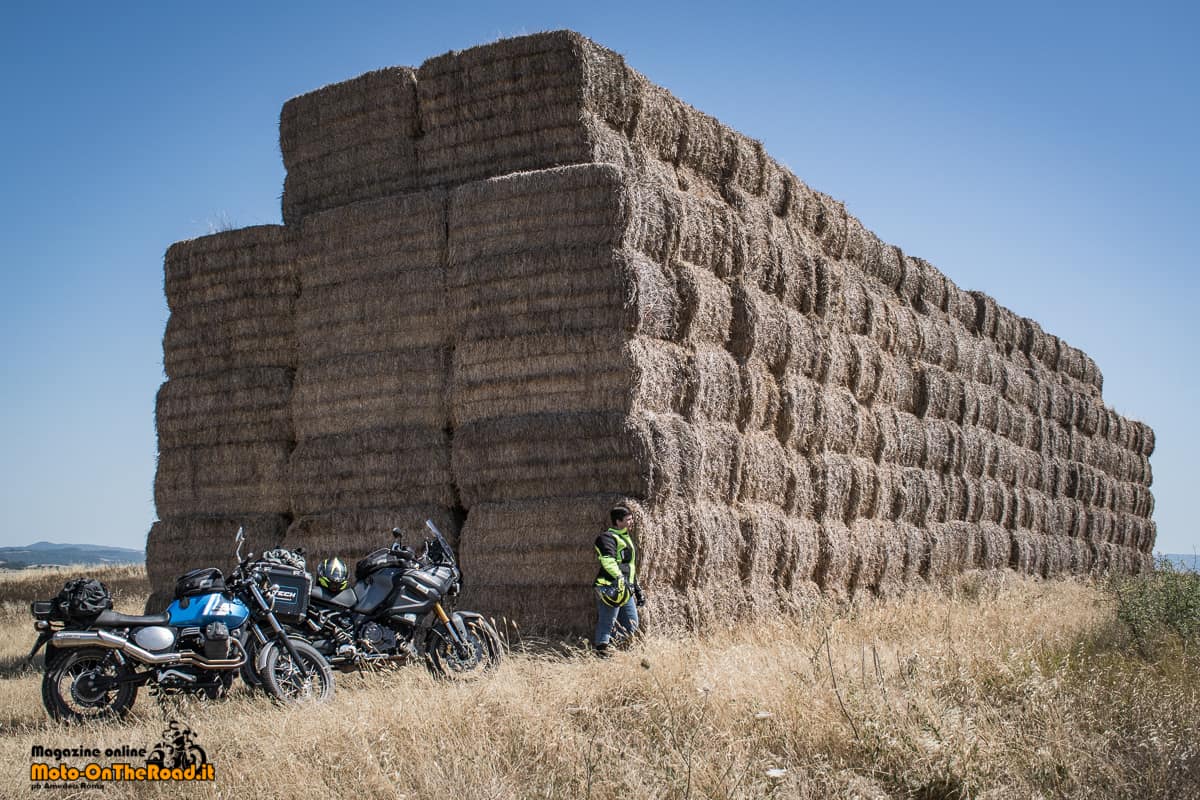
[
  {"x": 68, "y": 692},
  {"x": 285, "y": 680}
]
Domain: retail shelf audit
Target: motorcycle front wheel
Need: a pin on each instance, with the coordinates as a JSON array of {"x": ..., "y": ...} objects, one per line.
[
  {"x": 82, "y": 684},
  {"x": 307, "y": 680},
  {"x": 482, "y": 651}
]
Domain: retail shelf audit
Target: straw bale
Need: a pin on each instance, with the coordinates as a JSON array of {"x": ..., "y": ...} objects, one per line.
[
  {"x": 960, "y": 305},
  {"x": 991, "y": 546},
  {"x": 917, "y": 488},
  {"x": 868, "y": 556},
  {"x": 601, "y": 371},
  {"x": 225, "y": 478},
  {"x": 176, "y": 545},
  {"x": 825, "y": 218},
  {"x": 856, "y": 304},
  {"x": 931, "y": 296},
  {"x": 842, "y": 420},
  {"x": 379, "y": 468},
  {"x": 720, "y": 461},
  {"x": 236, "y": 406},
  {"x": 1015, "y": 385},
  {"x": 768, "y": 557},
  {"x": 943, "y": 446},
  {"x": 762, "y": 262},
  {"x": 883, "y": 262},
  {"x": 899, "y": 384},
  {"x": 798, "y": 283},
  {"x": 902, "y": 437},
  {"x": 716, "y": 394},
  {"x": 986, "y": 313},
  {"x": 836, "y": 494},
  {"x": 834, "y": 559},
  {"x": 1009, "y": 331},
  {"x": 1021, "y": 428},
  {"x": 544, "y": 455},
  {"x": 765, "y": 470},
  {"x": 374, "y": 390},
  {"x": 760, "y": 327},
  {"x": 866, "y": 368},
  {"x": 248, "y": 263},
  {"x": 248, "y": 333},
  {"x": 1033, "y": 340},
  {"x": 798, "y": 563},
  {"x": 941, "y": 394},
  {"x": 993, "y": 501},
  {"x": 915, "y": 542},
  {"x": 350, "y": 141},
  {"x": 1080, "y": 556},
  {"x": 352, "y": 534},
  {"x": 370, "y": 315},
  {"x": 1028, "y": 553},
  {"x": 952, "y": 549},
  {"x": 705, "y": 306},
  {"x": 907, "y": 337},
  {"x": 810, "y": 351},
  {"x": 838, "y": 360},
  {"x": 760, "y": 397},
  {"x": 1144, "y": 440},
  {"x": 801, "y": 419}
]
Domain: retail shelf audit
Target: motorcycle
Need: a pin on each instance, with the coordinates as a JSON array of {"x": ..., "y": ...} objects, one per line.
[
  {"x": 396, "y": 612},
  {"x": 97, "y": 659}
]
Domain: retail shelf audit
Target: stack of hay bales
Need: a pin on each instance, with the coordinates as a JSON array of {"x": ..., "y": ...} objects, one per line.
[{"x": 557, "y": 287}]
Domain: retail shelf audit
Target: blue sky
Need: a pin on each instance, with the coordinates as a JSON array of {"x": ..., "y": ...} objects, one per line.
[{"x": 1045, "y": 156}]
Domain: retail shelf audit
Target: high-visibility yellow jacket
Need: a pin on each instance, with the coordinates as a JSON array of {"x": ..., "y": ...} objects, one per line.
[{"x": 618, "y": 557}]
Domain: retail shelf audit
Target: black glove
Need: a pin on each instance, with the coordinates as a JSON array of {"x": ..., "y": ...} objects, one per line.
[{"x": 639, "y": 597}]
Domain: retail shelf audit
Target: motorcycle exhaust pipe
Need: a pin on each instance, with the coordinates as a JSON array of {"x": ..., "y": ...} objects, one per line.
[{"x": 73, "y": 639}]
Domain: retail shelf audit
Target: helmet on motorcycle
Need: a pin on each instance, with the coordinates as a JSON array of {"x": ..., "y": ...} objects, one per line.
[
  {"x": 615, "y": 595},
  {"x": 333, "y": 575}
]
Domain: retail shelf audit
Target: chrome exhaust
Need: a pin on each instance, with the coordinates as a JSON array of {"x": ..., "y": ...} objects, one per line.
[{"x": 74, "y": 639}]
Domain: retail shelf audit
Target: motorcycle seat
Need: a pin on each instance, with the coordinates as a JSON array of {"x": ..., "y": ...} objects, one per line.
[
  {"x": 111, "y": 619},
  {"x": 345, "y": 598}
]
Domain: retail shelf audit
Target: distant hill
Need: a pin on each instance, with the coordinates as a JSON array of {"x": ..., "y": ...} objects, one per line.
[
  {"x": 1186, "y": 561},
  {"x": 52, "y": 553}
]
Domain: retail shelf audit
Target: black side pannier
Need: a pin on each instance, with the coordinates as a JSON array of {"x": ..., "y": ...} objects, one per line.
[
  {"x": 380, "y": 559},
  {"x": 81, "y": 599},
  {"x": 291, "y": 598},
  {"x": 205, "y": 580}
]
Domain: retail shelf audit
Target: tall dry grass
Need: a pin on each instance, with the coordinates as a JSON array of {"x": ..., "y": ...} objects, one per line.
[{"x": 1005, "y": 687}]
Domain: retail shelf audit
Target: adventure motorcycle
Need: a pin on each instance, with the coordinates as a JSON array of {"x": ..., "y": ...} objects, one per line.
[
  {"x": 396, "y": 612},
  {"x": 96, "y": 658}
]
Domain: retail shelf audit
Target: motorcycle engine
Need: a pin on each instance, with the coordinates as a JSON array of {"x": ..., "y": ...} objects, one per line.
[
  {"x": 216, "y": 641},
  {"x": 376, "y": 637}
]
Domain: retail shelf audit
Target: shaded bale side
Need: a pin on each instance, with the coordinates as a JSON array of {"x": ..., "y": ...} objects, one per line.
[
  {"x": 952, "y": 550},
  {"x": 641, "y": 455},
  {"x": 226, "y": 478},
  {"x": 995, "y": 546},
  {"x": 866, "y": 369},
  {"x": 390, "y": 389},
  {"x": 717, "y": 387},
  {"x": 176, "y": 545},
  {"x": 760, "y": 400},
  {"x": 834, "y": 559},
  {"x": 380, "y": 468},
  {"x": 353, "y": 533},
  {"x": 255, "y": 262},
  {"x": 599, "y": 371},
  {"x": 877, "y": 559},
  {"x": 236, "y": 406},
  {"x": 349, "y": 141},
  {"x": 396, "y": 312},
  {"x": 224, "y": 335},
  {"x": 914, "y": 540},
  {"x": 767, "y": 558}
]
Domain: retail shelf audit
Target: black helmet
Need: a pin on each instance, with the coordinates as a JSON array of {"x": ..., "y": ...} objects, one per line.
[{"x": 332, "y": 575}]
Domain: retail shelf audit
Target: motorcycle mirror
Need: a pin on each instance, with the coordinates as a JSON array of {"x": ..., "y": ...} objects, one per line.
[
  {"x": 239, "y": 537},
  {"x": 397, "y": 533}
]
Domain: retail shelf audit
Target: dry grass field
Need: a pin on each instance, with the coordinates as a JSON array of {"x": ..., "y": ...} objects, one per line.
[{"x": 1005, "y": 687}]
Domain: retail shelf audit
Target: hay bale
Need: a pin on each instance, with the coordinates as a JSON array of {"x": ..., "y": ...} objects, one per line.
[
  {"x": 705, "y": 306},
  {"x": 770, "y": 561},
  {"x": 760, "y": 327},
  {"x": 760, "y": 398},
  {"x": 247, "y": 333},
  {"x": 798, "y": 283},
  {"x": 943, "y": 446},
  {"x": 390, "y": 389},
  {"x": 901, "y": 437},
  {"x": 937, "y": 342},
  {"x": 222, "y": 268},
  {"x": 940, "y": 394},
  {"x": 915, "y": 543},
  {"x": 765, "y": 470},
  {"x": 597, "y": 371},
  {"x": 952, "y": 550},
  {"x": 866, "y": 368},
  {"x": 810, "y": 351},
  {"x": 906, "y": 337},
  {"x": 720, "y": 469},
  {"x": 379, "y": 468},
  {"x": 995, "y": 546},
  {"x": 883, "y": 262},
  {"x": 641, "y": 455},
  {"x": 836, "y": 492},
  {"x": 176, "y": 545},
  {"x": 226, "y": 478},
  {"x": 237, "y": 406},
  {"x": 899, "y": 385},
  {"x": 801, "y": 418},
  {"x": 716, "y": 394},
  {"x": 834, "y": 559},
  {"x": 351, "y": 534},
  {"x": 350, "y": 141}
]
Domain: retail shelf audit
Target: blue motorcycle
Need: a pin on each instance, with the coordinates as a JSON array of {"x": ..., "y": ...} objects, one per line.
[{"x": 96, "y": 658}]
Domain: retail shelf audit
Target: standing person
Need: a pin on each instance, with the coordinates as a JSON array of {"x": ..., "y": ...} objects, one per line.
[{"x": 618, "y": 594}]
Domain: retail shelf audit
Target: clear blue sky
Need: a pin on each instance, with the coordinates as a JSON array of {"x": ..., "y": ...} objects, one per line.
[{"x": 1044, "y": 155}]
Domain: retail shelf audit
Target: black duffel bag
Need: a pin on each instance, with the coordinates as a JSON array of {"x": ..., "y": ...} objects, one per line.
[{"x": 82, "y": 599}]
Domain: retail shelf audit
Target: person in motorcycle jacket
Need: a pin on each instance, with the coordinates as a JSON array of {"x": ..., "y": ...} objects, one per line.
[{"x": 618, "y": 594}]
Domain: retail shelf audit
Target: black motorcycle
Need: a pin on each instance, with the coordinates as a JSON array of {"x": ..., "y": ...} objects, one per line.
[
  {"x": 396, "y": 612},
  {"x": 96, "y": 658}
]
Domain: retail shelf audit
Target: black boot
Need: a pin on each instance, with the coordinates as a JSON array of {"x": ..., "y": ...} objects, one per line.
[{"x": 603, "y": 650}]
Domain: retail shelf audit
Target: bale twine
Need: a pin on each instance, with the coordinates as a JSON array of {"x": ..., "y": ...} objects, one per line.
[
  {"x": 705, "y": 306},
  {"x": 717, "y": 391},
  {"x": 236, "y": 406},
  {"x": 376, "y": 468},
  {"x": 226, "y": 478}
]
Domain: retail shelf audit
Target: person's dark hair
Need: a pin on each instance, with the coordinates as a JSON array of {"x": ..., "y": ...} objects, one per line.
[{"x": 619, "y": 513}]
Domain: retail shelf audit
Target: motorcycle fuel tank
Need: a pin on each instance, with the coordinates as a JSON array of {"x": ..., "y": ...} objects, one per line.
[
  {"x": 207, "y": 608},
  {"x": 156, "y": 637}
]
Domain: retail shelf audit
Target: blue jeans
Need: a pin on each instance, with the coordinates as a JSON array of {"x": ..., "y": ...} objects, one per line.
[{"x": 625, "y": 617}]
